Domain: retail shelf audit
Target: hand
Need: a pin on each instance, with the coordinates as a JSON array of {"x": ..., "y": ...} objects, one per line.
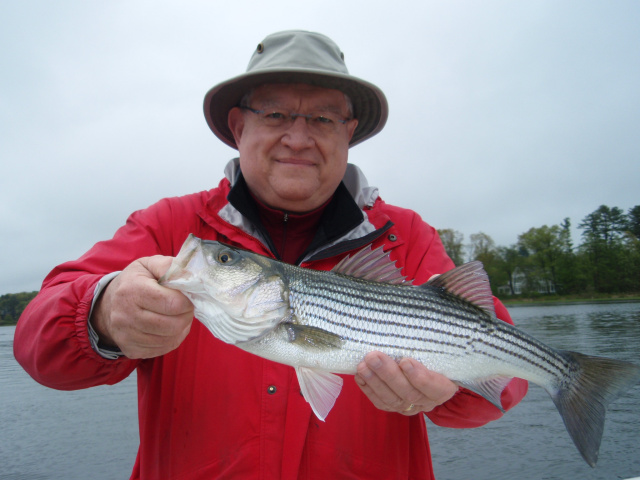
[
  {"x": 407, "y": 387},
  {"x": 138, "y": 315}
]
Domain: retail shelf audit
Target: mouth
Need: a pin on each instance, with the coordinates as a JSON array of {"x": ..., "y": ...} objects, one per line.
[{"x": 295, "y": 161}]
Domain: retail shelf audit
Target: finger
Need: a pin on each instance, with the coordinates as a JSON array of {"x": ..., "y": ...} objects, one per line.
[
  {"x": 373, "y": 387},
  {"x": 389, "y": 373},
  {"x": 149, "y": 346},
  {"x": 156, "y": 265},
  {"x": 159, "y": 325},
  {"x": 371, "y": 394},
  {"x": 434, "y": 388},
  {"x": 144, "y": 318},
  {"x": 154, "y": 297},
  {"x": 386, "y": 383},
  {"x": 150, "y": 335}
]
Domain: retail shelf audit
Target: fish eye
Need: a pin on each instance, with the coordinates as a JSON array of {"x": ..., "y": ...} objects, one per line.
[{"x": 224, "y": 257}]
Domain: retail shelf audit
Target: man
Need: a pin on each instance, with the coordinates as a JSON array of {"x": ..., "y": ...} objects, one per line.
[{"x": 208, "y": 409}]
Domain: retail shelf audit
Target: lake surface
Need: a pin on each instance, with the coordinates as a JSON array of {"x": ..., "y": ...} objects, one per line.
[
  {"x": 46, "y": 434},
  {"x": 530, "y": 441}
]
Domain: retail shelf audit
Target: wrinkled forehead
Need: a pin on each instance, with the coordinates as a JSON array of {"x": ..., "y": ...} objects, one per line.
[{"x": 299, "y": 95}]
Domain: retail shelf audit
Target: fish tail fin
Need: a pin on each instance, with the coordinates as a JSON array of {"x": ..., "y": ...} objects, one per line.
[{"x": 582, "y": 398}]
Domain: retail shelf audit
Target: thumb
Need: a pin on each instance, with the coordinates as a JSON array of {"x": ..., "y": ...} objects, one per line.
[
  {"x": 156, "y": 265},
  {"x": 162, "y": 299}
]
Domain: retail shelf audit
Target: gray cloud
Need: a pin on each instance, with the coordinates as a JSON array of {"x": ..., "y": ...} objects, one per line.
[{"x": 504, "y": 115}]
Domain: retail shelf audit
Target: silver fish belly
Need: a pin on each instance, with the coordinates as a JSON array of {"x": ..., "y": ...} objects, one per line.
[{"x": 323, "y": 323}]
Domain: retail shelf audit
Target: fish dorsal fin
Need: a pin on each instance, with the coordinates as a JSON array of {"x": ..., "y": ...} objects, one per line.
[
  {"x": 374, "y": 265},
  {"x": 469, "y": 282}
]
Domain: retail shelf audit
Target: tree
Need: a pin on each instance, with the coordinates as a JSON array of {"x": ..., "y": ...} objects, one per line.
[
  {"x": 605, "y": 225},
  {"x": 570, "y": 278},
  {"x": 508, "y": 260},
  {"x": 12, "y": 305},
  {"x": 481, "y": 246},
  {"x": 545, "y": 246},
  {"x": 603, "y": 247},
  {"x": 633, "y": 221},
  {"x": 632, "y": 249},
  {"x": 452, "y": 241}
]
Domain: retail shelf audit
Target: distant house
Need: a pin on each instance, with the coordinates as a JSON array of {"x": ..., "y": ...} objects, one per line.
[{"x": 522, "y": 284}]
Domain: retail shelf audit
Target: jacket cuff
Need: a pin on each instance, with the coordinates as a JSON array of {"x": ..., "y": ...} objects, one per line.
[{"x": 110, "y": 353}]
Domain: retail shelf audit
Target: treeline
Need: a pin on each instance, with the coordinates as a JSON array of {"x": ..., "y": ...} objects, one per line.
[
  {"x": 12, "y": 305},
  {"x": 542, "y": 261},
  {"x": 545, "y": 261}
]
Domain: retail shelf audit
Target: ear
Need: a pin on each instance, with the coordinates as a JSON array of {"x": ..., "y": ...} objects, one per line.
[
  {"x": 351, "y": 127},
  {"x": 235, "y": 120}
]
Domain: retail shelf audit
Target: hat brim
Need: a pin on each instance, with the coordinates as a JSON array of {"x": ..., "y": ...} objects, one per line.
[{"x": 369, "y": 103}]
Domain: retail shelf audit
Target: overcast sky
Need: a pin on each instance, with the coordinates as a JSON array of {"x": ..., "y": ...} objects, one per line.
[{"x": 504, "y": 115}]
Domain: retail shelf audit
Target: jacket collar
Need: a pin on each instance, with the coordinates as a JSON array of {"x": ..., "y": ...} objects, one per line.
[
  {"x": 343, "y": 225},
  {"x": 354, "y": 180}
]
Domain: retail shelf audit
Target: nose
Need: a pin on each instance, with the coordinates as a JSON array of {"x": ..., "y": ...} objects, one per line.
[{"x": 298, "y": 136}]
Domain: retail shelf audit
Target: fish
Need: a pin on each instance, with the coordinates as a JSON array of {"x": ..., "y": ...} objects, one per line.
[{"x": 323, "y": 323}]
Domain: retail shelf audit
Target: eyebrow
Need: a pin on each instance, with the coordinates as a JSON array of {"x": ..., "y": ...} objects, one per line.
[{"x": 269, "y": 103}]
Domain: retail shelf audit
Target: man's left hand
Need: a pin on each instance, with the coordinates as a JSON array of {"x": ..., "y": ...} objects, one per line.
[{"x": 407, "y": 387}]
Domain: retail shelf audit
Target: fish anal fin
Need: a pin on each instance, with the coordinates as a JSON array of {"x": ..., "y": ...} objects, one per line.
[
  {"x": 469, "y": 282},
  {"x": 488, "y": 388},
  {"x": 320, "y": 389},
  {"x": 373, "y": 265},
  {"x": 312, "y": 337}
]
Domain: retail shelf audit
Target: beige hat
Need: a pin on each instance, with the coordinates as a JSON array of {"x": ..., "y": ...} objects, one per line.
[{"x": 298, "y": 57}]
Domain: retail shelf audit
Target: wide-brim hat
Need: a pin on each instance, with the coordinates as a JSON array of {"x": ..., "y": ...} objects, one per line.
[{"x": 298, "y": 57}]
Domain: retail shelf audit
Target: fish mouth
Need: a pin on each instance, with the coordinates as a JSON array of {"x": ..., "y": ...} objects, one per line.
[{"x": 178, "y": 271}]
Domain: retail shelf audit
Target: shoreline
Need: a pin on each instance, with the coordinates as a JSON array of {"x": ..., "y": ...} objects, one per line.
[{"x": 545, "y": 301}]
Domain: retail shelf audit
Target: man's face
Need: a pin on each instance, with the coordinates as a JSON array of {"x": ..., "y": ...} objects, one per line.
[{"x": 293, "y": 166}]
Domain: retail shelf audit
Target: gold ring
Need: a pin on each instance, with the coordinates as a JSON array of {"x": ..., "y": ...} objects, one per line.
[{"x": 409, "y": 408}]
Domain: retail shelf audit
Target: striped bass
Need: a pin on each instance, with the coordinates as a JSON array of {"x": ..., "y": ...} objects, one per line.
[{"x": 323, "y": 323}]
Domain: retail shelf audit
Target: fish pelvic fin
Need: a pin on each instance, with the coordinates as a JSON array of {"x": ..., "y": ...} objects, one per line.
[
  {"x": 469, "y": 282},
  {"x": 320, "y": 389},
  {"x": 582, "y": 399}
]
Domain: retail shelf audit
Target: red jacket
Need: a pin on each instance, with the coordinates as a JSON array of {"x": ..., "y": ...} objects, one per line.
[{"x": 207, "y": 409}]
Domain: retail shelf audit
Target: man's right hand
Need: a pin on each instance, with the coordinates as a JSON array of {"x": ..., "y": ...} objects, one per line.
[{"x": 139, "y": 316}]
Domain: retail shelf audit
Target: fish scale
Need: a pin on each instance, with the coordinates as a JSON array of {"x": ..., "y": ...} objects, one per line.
[
  {"x": 365, "y": 315},
  {"x": 323, "y": 323}
]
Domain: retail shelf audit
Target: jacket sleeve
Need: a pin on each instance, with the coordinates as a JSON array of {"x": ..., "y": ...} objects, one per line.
[
  {"x": 424, "y": 256},
  {"x": 51, "y": 340}
]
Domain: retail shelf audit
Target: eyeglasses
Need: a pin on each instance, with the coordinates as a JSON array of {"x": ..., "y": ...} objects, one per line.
[{"x": 322, "y": 123}]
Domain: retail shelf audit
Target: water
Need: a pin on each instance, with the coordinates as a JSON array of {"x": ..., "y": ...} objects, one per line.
[
  {"x": 530, "y": 441},
  {"x": 46, "y": 434}
]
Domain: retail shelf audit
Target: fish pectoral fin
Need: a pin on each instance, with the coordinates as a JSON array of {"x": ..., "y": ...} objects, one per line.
[
  {"x": 320, "y": 389},
  {"x": 488, "y": 388},
  {"x": 312, "y": 337}
]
